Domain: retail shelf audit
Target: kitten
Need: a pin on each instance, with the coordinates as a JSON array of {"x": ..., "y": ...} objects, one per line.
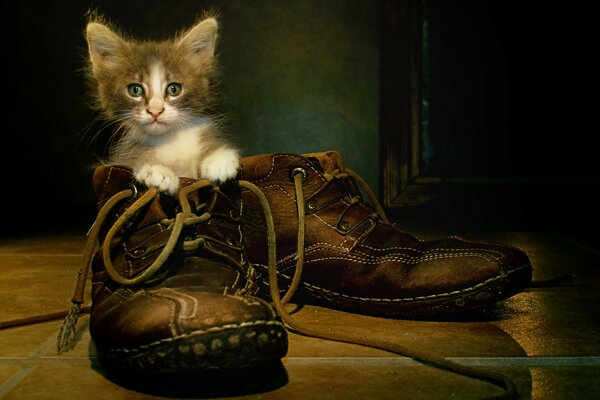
[{"x": 159, "y": 94}]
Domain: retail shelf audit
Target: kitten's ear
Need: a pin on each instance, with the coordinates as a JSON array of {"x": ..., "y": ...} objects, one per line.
[
  {"x": 103, "y": 44},
  {"x": 200, "y": 41}
]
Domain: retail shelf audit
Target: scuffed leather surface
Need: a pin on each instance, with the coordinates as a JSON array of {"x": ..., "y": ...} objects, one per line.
[
  {"x": 354, "y": 258},
  {"x": 195, "y": 292}
]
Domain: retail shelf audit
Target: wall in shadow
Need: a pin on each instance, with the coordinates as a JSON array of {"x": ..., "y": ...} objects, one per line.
[{"x": 298, "y": 76}]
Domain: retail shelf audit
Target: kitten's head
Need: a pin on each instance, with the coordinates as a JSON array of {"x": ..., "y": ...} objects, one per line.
[{"x": 152, "y": 87}]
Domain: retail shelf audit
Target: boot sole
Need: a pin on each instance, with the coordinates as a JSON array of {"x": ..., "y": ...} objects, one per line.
[{"x": 223, "y": 350}]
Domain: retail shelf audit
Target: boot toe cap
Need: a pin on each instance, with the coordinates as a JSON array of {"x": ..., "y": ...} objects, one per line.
[{"x": 186, "y": 330}]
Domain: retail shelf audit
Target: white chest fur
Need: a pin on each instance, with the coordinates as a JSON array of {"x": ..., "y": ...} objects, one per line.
[{"x": 181, "y": 151}]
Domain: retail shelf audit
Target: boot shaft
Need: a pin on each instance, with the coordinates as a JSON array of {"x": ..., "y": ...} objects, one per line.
[
  {"x": 353, "y": 258},
  {"x": 143, "y": 237},
  {"x": 171, "y": 288},
  {"x": 334, "y": 211}
]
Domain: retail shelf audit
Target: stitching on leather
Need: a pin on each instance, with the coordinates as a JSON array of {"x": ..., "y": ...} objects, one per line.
[
  {"x": 167, "y": 300},
  {"x": 239, "y": 229},
  {"x": 402, "y": 259},
  {"x": 280, "y": 188},
  {"x": 334, "y": 229},
  {"x": 346, "y": 239},
  {"x": 288, "y": 156},
  {"x": 245, "y": 299},
  {"x": 314, "y": 288},
  {"x": 433, "y": 296},
  {"x": 128, "y": 260},
  {"x": 369, "y": 259},
  {"x": 242, "y": 253},
  {"x": 196, "y": 333},
  {"x": 110, "y": 170},
  {"x": 347, "y": 236},
  {"x": 351, "y": 238},
  {"x": 235, "y": 282},
  {"x": 320, "y": 245},
  {"x": 181, "y": 298},
  {"x": 270, "y": 171},
  {"x": 501, "y": 255},
  {"x": 321, "y": 219},
  {"x": 275, "y": 185},
  {"x": 434, "y": 255},
  {"x": 407, "y": 260}
]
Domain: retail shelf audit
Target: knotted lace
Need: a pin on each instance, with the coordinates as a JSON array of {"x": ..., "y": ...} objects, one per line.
[
  {"x": 499, "y": 380},
  {"x": 182, "y": 219},
  {"x": 338, "y": 174},
  {"x": 185, "y": 218}
]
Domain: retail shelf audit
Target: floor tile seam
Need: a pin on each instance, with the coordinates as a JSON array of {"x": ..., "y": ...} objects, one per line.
[
  {"x": 584, "y": 361},
  {"x": 577, "y": 361},
  {"x": 32, "y": 362},
  {"x": 27, "y": 366},
  {"x": 41, "y": 254},
  {"x": 41, "y": 351},
  {"x": 549, "y": 251},
  {"x": 15, "y": 379}
]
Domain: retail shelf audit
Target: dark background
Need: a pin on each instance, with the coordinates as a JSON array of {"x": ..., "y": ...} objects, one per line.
[
  {"x": 511, "y": 133},
  {"x": 512, "y": 83},
  {"x": 513, "y": 88},
  {"x": 298, "y": 76}
]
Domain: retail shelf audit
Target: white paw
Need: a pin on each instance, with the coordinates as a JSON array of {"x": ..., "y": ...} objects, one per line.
[
  {"x": 220, "y": 166},
  {"x": 158, "y": 176}
]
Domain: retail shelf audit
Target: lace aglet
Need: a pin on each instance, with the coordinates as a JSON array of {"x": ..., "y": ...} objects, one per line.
[{"x": 66, "y": 335}]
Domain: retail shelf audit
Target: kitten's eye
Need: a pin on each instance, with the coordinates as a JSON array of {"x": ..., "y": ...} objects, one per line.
[
  {"x": 135, "y": 90},
  {"x": 174, "y": 89}
]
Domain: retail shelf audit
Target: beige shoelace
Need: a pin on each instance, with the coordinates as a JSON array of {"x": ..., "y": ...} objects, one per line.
[
  {"x": 500, "y": 380},
  {"x": 337, "y": 174},
  {"x": 185, "y": 218}
]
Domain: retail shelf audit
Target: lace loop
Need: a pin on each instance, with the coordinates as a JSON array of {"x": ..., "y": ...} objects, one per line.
[
  {"x": 67, "y": 330},
  {"x": 193, "y": 244},
  {"x": 176, "y": 228},
  {"x": 497, "y": 379},
  {"x": 187, "y": 217},
  {"x": 183, "y": 218},
  {"x": 338, "y": 174}
]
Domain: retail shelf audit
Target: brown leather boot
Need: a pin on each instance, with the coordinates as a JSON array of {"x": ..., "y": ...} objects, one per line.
[
  {"x": 172, "y": 291},
  {"x": 353, "y": 258}
]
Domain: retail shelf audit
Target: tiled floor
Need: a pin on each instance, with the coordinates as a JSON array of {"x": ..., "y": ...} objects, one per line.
[{"x": 545, "y": 339}]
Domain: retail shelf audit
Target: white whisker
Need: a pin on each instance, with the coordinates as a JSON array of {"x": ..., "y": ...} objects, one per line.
[{"x": 185, "y": 140}]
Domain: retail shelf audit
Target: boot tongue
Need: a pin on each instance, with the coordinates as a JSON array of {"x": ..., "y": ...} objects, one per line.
[{"x": 328, "y": 160}]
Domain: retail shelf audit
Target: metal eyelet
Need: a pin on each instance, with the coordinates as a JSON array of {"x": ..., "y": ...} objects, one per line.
[
  {"x": 138, "y": 252},
  {"x": 134, "y": 192},
  {"x": 299, "y": 170},
  {"x": 311, "y": 205},
  {"x": 344, "y": 226}
]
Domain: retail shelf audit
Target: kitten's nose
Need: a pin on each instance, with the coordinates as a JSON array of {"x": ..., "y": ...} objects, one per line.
[
  {"x": 155, "y": 107},
  {"x": 155, "y": 112}
]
